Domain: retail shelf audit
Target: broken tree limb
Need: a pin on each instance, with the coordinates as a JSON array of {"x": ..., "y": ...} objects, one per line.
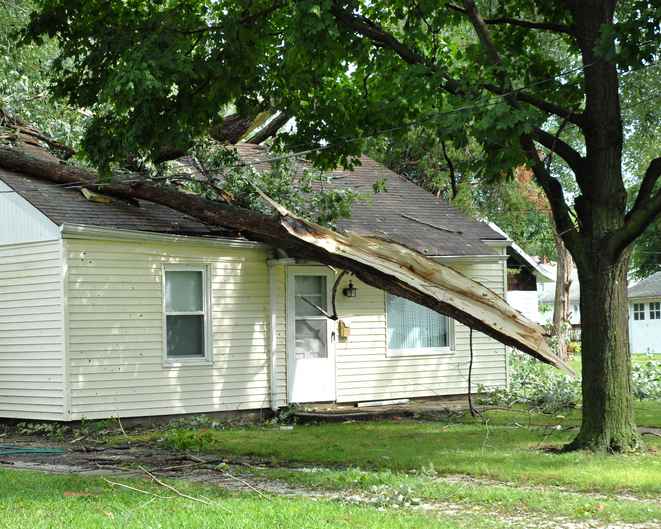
[{"x": 379, "y": 263}]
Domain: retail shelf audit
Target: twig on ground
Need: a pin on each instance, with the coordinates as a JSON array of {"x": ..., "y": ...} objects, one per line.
[
  {"x": 77, "y": 439},
  {"x": 121, "y": 427},
  {"x": 246, "y": 483},
  {"x": 124, "y": 485},
  {"x": 206, "y": 501}
]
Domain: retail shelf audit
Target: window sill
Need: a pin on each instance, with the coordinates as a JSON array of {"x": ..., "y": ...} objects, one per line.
[
  {"x": 411, "y": 353},
  {"x": 187, "y": 362}
]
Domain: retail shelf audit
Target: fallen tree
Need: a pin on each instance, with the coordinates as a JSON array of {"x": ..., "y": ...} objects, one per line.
[{"x": 377, "y": 262}]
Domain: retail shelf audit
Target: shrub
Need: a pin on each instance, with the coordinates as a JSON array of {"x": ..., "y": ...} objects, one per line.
[{"x": 541, "y": 386}]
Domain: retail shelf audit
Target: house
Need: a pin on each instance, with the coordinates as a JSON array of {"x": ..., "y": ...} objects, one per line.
[
  {"x": 126, "y": 309},
  {"x": 525, "y": 276},
  {"x": 547, "y": 300},
  {"x": 645, "y": 315}
]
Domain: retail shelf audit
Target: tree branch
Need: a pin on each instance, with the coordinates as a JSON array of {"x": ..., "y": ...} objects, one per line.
[
  {"x": 453, "y": 176},
  {"x": 387, "y": 265},
  {"x": 566, "y": 227},
  {"x": 547, "y": 26},
  {"x": 552, "y": 108},
  {"x": 367, "y": 28},
  {"x": 645, "y": 210},
  {"x": 574, "y": 160},
  {"x": 647, "y": 185}
]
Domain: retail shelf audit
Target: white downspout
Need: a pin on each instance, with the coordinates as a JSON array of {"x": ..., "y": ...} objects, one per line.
[{"x": 273, "y": 338}]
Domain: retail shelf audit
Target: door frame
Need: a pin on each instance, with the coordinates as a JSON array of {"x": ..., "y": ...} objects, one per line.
[{"x": 308, "y": 270}]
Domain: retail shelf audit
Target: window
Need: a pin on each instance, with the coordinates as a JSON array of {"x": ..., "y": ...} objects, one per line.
[
  {"x": 186, "y": 314},
  {"x": 655, "y": 311},
  {"x": 414, "y": 329},
  {"x": 639, "y": 311}
]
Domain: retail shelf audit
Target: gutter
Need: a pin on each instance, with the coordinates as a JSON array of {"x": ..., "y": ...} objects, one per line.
[
  {"x": 82, "y": 231},
  {"x": 273, "y": 334}
]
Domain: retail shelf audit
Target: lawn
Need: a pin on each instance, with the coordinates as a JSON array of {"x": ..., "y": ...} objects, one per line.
[
  {"x": 33, "y": 500},
  {"x": 459, "y": 472},
  {"x": 511, "y": 446}
]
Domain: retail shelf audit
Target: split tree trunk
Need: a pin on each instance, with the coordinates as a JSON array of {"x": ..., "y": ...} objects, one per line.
[
  {"x": 377, "y": 262},
  {"x": 608, "y": 417},
  {"x": 561, "y": 319}
]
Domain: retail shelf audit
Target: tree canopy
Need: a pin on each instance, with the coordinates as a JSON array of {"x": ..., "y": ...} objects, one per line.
[{"x": 533, "y": 83}]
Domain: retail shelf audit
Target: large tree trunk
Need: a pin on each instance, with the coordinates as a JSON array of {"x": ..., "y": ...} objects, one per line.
[
  {"x": 561, "y": 319},
  {"x": 608, "y": 418}
]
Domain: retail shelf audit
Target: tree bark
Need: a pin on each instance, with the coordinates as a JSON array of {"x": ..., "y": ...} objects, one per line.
[
  {"x": 608, "y": 418},
  {"x": 561, "y": 316}
]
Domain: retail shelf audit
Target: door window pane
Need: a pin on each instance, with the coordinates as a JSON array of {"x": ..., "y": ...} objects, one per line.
[
  {"x": 311, "y": 339},
  {"x": 638, "y": 311},
  {"x": 185, "y": 335},
  {"x": 655, "y": 311},
  {"x": 313, "y": 289},
  {"x": 413, "y": 327},
  {"x": 183, "y": 291}
]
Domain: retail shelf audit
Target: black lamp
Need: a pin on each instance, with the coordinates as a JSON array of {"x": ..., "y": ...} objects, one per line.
[{"x": 350, "y": 291}]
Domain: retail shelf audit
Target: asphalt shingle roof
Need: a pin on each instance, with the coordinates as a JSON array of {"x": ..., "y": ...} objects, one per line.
[
  {"x": 649, "y": 287},
  {"x": 403, "y": 212},
  {"x": 69, "y": 206}
]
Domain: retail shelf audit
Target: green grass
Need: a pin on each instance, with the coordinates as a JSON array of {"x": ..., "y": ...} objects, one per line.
[
  {"x": 502, "y": 498},
  {"x": 34, "y": 500},
  {"x": 508, "y": 448}
]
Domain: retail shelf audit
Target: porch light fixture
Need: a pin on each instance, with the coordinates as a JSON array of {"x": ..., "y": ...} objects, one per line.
[{"x": 350, "y": 291}]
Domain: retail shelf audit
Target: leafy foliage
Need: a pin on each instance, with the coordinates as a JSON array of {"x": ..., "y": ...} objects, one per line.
[
  {"x": 540, "y": 386},
  {"x": 304, "y": 191},
  {"x": 25, "y": 78}
]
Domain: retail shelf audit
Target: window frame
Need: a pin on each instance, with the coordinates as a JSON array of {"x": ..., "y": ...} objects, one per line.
[
  {"x": 207, "y": 359},
  {"x": 638, "y": 311},
  {"x": 419, "y": 351},
  {"x": 655, "y": 310}
]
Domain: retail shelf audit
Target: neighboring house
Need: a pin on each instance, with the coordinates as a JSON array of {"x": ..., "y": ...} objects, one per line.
[
  {"x": 525, "y": 276},
  {"x": 645, "y": 315},
  {"x": 133, "y": 309},
  {"x": 547, "y": 300}
]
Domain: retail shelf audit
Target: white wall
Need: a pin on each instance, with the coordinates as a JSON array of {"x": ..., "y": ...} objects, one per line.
[
  {"x": 21, "y": 222},
  {"x": 115, "y": 338},
  {"x": 31, "y": 331},
  {"x": 365, "y": 372},
  {"x": 644, "y": 335},
  {"x": 115, "y": 341},
  {"x": 526, "y": 302}
]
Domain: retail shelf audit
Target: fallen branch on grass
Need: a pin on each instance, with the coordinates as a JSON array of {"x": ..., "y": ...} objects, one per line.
[
  {"x": 206, "y": 501},
  {"x": 135, "y": 489}
]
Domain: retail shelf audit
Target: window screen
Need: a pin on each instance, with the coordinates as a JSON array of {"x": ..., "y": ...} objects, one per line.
[
  {"x": 185, "y": 314},
  {"x": 414, "y": 329}
]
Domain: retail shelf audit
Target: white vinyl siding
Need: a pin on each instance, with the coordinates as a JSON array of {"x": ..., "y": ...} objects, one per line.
[
  {"x": 20, "y": 221},
  {"x": 32, "y": 331},
  {"x": 644, "y": 332},
  {"x": 115, "y": 303},
  {"x": 365, "y": 371}
]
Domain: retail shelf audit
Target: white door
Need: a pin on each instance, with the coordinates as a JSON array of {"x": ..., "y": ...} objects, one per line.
[{"x": 311, "y": 336}]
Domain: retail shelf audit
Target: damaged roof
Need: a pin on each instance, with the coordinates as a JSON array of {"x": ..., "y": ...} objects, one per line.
[
  {"x": 64, "y": 205},
  {"x": 403, "y": 212}
]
